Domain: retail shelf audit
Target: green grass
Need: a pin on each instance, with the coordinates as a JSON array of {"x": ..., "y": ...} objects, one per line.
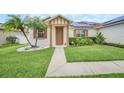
[
  {"x": 94, "y": 53},
  {"x": 24, "y": 64},
  {"x": 112, "y": 75}
]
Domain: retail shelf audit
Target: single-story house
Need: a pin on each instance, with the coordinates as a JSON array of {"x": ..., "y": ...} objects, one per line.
[
  {"x": 60, "y": 29},
  {"x": 113, "y": 30}
]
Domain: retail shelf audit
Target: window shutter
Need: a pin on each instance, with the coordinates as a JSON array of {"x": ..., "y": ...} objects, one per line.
[{"x": 86, "y": 32}]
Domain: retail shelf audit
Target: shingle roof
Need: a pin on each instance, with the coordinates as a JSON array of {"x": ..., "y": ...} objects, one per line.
[{"x": 116, "y": 20}]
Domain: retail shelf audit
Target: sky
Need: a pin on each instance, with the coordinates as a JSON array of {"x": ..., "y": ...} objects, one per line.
[{"x": 74, "y": 17}]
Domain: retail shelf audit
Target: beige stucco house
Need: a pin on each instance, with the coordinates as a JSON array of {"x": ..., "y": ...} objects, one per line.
[{"x": 60, "y": 29}]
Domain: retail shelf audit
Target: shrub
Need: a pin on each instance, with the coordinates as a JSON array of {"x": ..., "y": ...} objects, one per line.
[
  {"x": 74, "y": 41},
  {"x": 93, "y": 38},
  {"x": 99, "y": 38},
  {"x": 79, "y": 41},
  {"x": 11, "y": 39},
  {"x": 86, "y": 41}
]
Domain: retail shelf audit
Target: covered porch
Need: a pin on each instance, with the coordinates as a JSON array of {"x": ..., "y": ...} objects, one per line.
[{"x": 58, "y": 31}]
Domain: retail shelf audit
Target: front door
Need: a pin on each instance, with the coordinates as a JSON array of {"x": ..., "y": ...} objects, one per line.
[{"x": 59, "y": 35}]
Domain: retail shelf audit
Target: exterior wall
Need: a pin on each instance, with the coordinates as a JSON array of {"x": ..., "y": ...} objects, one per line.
[
  {"x": 41, "y": 42},
  {"x": 65, "y": 35},
  {"x": 71, "y": 31},
  {"x": 2, "y": 37},
  {"x": 92, "y": 32},
  {"x": 53, "y": 36},
  {"x": 44, "y": 42},
  {"x": 21, "y": 38},
  {"x": 114, "y": 34},
  {"x": 48, "y": 35}
]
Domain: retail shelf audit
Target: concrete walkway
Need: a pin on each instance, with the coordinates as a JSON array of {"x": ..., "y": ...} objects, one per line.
[{"x": 59, "y": 67}]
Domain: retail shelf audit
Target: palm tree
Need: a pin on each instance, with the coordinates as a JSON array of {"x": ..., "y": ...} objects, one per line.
[
  {"x": 16, "y": 23},
  {"x": 37, "y": 24}
]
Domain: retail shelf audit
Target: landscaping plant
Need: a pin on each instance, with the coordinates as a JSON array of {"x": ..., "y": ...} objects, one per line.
[
  {"x": 11, "y": 39},
  {"x": 16, "y": 23},
  {"x": 80, "y": 41},
  {"x": 37, "y": 24},
  {"x": 74, "y": 40},
  {"x": 86, "y": 41},
  {"x": 99, "y": 38}
]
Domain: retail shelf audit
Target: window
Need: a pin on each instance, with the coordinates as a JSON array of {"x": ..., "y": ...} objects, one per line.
[
  {"x": 42, "y": 34},
  {"x": 80, "y": 33}
]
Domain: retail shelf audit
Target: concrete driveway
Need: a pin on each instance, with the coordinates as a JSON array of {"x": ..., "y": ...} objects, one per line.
[{"x": 59, "y": 66}]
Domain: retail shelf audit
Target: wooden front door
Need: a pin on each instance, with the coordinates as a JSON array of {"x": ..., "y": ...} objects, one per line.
[{"x": 59, "y": 35}]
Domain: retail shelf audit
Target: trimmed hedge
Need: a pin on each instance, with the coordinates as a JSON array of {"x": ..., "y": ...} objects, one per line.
[
  {"x": 86, "y": 41},
  {"x": 80, "y": 41},
  {"x": 93, "y": 38},
  {"x": 11, "y": 39},
  {"x": 115, "y": 45},
  {"x": 73, "y": 40}
]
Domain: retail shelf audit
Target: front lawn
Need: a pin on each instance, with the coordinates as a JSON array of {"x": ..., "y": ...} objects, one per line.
[
  {"x": 94, "y": 53},
  {"x": 25, "y": 64}
]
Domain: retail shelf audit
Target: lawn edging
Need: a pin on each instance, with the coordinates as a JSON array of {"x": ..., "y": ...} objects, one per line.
[
  {"x": 111, "y": 75},
  {"x": 115, "y": 45}
]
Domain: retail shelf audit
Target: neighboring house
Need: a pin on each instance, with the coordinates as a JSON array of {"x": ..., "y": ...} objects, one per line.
[
  {"x": 19, "y": 35},
  {"x": 60, "y": 29},
  {"x": 113, "y": 30}
]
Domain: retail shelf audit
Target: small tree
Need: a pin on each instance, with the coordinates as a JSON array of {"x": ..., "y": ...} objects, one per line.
[
  {"x": 15, "y": 23},
  {"x": 99, "y": 38},
  {"x": 37, "y": 24}
]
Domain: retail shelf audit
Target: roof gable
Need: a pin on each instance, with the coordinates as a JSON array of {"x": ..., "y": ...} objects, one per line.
[
  {"x": 58, "y": 20},
  {"x": 52, "y": 18}
]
